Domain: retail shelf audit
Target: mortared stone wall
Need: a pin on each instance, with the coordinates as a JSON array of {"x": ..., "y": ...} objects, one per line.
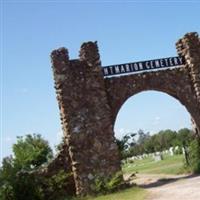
[{"x": 89, "y": 104}]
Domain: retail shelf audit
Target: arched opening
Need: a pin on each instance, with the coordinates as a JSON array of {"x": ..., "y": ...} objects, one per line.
[
  {"x": 153, "y": 110},
  {"x": 155, "y": 116}
]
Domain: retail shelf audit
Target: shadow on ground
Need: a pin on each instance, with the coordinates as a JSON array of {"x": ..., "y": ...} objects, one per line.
[{"x": 165, "y": 181}]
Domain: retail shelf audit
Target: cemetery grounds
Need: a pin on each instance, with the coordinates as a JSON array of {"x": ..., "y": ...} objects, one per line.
[
  {"x": 169, "y": 165},
  {"x": 146, "y": 171}
]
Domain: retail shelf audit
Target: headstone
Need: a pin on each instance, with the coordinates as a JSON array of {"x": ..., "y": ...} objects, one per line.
[
  {"x": 183, "y": 151},
  {"x": 158, "y": 156},
  {"x": 171, "y": 152}
]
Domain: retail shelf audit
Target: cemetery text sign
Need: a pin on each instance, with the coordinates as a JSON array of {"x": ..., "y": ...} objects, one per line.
[{"x": 142, "y": 66}]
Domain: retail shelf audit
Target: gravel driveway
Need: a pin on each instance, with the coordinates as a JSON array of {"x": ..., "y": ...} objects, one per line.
[{"x": 166, "y": 187}]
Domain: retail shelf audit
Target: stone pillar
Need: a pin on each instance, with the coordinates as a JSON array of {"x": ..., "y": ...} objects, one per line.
[
  {"x": 189, "y": 48},
  {"x": 85, "y": 115}
]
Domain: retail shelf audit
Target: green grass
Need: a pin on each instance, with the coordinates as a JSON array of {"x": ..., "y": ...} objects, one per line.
[
  {"x": 170, "y": 165},
  {"x": 134, "y": 193}
]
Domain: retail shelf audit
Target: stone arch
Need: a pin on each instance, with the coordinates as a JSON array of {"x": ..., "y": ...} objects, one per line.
[
  {"x": 174, "y": 82},
  {"x": 140, "y": 103},
  {"x": 89, "y": 103}
]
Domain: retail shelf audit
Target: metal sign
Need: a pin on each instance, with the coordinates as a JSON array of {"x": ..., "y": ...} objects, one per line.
[{"x": 143, "y": 66}]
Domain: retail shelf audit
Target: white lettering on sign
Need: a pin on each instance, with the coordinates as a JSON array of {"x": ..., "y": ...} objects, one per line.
[
  {"x": 117, "y": 69},
  {"x": 105, "y": 71},
  {"x": 147, "y": 65},
  {"x": 142, "y": 66},
  {"x": 127, "y": 68}
]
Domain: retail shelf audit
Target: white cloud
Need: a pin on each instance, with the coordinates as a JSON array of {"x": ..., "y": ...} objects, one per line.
[{"x": 156, "y": 121}]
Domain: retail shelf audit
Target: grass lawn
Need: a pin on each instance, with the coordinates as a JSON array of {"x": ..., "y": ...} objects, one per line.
[
  {"x": 133, "y": 193},
  {"x": 169, "y": 165}
]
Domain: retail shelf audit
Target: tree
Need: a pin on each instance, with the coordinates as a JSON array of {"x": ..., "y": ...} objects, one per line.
[
  {"x": 184, "y": 137},
  {"x": 161, "y": 141},
  {"x": 184, "y": 140},
  {"x": 125, "y": 143},
  {"x": 142, "y": 136},
  {"x": 194, "y": 152},
  {"x": 142, "y": 139},
  {"x": 7, "y": 176},
  {"x": 31, "y": 151},
  {"x": 16, "y": 183}
]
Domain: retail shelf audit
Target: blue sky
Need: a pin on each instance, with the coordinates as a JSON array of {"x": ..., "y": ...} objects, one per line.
[{"x": 126, "y": 32}]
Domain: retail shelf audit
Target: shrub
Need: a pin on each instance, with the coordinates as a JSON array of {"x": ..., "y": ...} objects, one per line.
[
  {"x": 6, "y": 192},
  {"x": 114, "y": 182},
  {"x": 194, "y": 152},
  {"x": 104, "y": 185},
  {"x": 27, "y": 186},
  {"x": 24, "y": 185},
  {"x": 20, "y": 178},
  {"x": 54, "y": 187}
]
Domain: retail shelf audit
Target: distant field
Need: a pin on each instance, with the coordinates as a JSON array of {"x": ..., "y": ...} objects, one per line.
[
  {"x": 170, "y": 165},
  {"x": 134, "y": 193}
]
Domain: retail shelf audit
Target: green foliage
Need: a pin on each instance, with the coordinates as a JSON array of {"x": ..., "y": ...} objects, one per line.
[
  {"x": 161, "y": 141},
  {"x": 142, "y": 136},
  {"x": 31, "y": 151},
  {"x": 33, "y": 187},
  {"x": 104, "y": 185},
  {"x": 16, "y": 180},
  {"x": 114, "y": 182},
  {"x": 7, "y": 171},
  {"x": 27, "y": 185},
  {"x": 99, "y": 185},
  {"x": 194, "y": 152},
  {"x": 184, "y": 137},
  {"x": 7, "y": 179},
  {"x": 54, "y": 187},
  {"x": 6, "y": 192},
  {"x": 19, "y": 186},
  {"x": 125, "y": 143}
]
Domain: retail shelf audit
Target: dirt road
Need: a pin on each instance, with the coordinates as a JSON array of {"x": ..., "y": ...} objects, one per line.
[{"x": 163, "y": 187}]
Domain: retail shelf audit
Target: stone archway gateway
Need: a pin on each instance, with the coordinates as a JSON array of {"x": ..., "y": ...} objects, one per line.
[{"x": 90, "y": 97}]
